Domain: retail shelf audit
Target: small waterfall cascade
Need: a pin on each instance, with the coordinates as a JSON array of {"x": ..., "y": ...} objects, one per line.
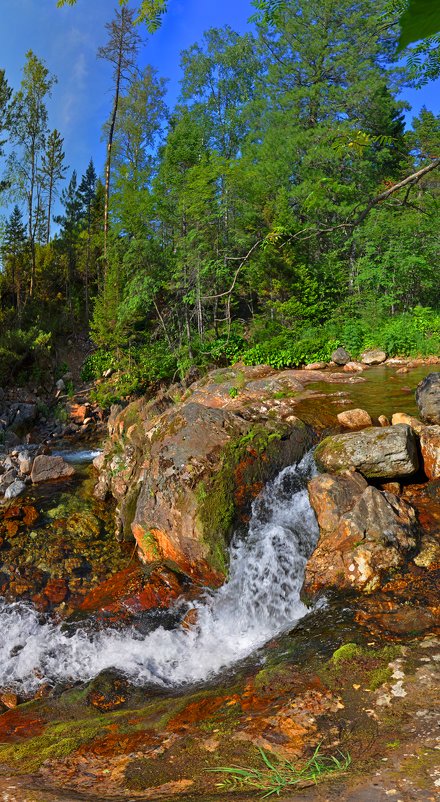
[{"x": 260, "y": 600}]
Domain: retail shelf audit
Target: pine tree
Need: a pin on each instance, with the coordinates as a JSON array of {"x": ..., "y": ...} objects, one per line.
[
  {"x": 14, "y": 253},
  {"x": 121, "y": 52},
  {"x": 5, "y": 97},
  {"x": 87, "y": 194},
  {"x": 69, "y": 223},
  {"x": 52, "y": 171},
  {"x": 28, "y": 134}
]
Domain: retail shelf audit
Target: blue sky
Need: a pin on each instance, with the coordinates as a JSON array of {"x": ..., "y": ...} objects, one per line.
[{"x": 68, "y": 38}]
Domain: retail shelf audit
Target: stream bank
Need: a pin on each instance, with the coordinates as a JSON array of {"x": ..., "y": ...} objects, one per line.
[{"x": 298, "y": 690}]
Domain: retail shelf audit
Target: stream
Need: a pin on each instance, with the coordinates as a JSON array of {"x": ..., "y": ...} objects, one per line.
[{"x": 260, "y": 600}]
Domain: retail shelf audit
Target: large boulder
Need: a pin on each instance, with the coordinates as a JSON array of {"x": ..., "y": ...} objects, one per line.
[
  {"x": 184, "y": 471},
  {"x": 340, "y": 356},
  {"x": 428, "y": 398},
  {"x": 364, "y": 533},
  {"x": 373, "y": 356},
  {"x": 430, "y": 448},
  {"x": 378, "y": 453},
  {"x": 47, "y": 468},
  {"x": 201, "y": 472}
]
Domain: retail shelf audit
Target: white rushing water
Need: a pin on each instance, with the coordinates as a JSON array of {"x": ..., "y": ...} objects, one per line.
[
  {"x": 83, "y": 456},
  {"x": 260, "y": 600}
]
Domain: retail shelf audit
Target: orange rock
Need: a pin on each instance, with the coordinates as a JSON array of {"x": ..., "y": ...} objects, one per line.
[
  {"x": 56, "y": 590},
  {"x": 353, "y": 367},
  {"x": 9, "y": 699},
  {"x": 78, "y": 412},
  {"x": 316, "y": 366},
  {"x": 355, "y": 419},
  {"x": 20, "y": 724},
  {"x": 11, "y": 527},
  {"x": 190, "y": 620},
  {"x": 362, "y": 537},
  {"x": 383, "y": 420},
  {"x": 30, "y": 515},
  {"x": 430, "y": 448},
  {"x": 410, "y": 420},
  {"x": 391, "y": 487}
]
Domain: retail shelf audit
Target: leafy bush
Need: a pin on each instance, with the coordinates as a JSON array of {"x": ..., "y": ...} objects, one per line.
[
  {"x": 95, "y": 364},
  {"x": 227, "y": 349},
  {"x": 280, "y": 352},
  {"x": 24, "y": 354},
  {"x": 138, "y": 369}
]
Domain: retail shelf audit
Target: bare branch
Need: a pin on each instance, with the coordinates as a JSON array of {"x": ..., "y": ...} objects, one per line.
[{"x": 236, "y": 274}]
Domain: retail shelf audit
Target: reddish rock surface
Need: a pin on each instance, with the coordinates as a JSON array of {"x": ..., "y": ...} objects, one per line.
[
  {"x": 364, "y": 533},
  {"x": 353, "y": 367},
  {"x": 430, "y": 448}
]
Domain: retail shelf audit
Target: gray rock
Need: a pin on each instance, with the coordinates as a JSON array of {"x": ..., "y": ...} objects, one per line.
[
  {"x": 11, "y": 439},
  {"x": 373, "y": 356},
  {"x": 341, "y": 356},
  {"x": 46, "y": 469},
  {"x": 428, "y": 398},
  {"x": 9, "y": 476},
  {"x": 378, "y": 453},
  {"x": 25, "y": 462},
  {"x": 25, "y": 413},
  {"x": 60, "y": 385},
  {"x": 15, "y": 489}
]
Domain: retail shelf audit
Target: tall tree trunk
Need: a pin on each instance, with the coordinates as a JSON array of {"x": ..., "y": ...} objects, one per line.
[{"x": 108, "y": 162}]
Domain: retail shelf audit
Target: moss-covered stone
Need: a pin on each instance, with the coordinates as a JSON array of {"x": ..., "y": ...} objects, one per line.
[{"x": 247, "y": 463}]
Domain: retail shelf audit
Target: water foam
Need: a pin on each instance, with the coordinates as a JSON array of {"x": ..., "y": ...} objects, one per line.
[{"x": 260, "y": 600}]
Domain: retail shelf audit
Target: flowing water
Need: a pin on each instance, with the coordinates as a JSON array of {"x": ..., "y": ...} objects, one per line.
[{"x": 260, "y": 600}]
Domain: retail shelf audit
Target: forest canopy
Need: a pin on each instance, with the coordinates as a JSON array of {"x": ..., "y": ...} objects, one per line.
[{"x": 280, "y": 209}]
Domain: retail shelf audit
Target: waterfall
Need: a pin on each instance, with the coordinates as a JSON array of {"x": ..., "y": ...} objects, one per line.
[{"x": 260, "y": 600}]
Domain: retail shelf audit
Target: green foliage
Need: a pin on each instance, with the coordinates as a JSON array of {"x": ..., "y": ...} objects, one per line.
[
  {"x": 288, "y": 350},
  {"x": 149, "y": 11},
  {"x": 241, "y": 226},
  {"x": 420, "y": 20},
  {"x": 227, "y": 349},
  {"x": 23, "y": 354},
  {"x": 96, "y": 363},
  {"x": 138, "y": 369},
  {"x": 278, "y": 774}
]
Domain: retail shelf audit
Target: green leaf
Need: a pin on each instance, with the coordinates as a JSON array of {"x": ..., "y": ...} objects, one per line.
[{"x": 420, "y": 20}]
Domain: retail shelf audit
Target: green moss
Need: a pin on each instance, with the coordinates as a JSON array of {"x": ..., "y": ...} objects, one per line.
[
  {"x": 353, "y": 663},
  {"x": 260, "y": 454},
  {"x": 131, "y": 415},
  {"x": 147, "y": 543},
  {"x": 57, "y": 741},
  {"x": 379, "y": 677},
  {"x": 346, "y": 652},
  {"x": 129, "y": 510},
  {"x": 271, "y": 678}
]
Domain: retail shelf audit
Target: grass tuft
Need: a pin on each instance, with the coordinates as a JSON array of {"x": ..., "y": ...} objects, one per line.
[{"x": 278, "y": 774}]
